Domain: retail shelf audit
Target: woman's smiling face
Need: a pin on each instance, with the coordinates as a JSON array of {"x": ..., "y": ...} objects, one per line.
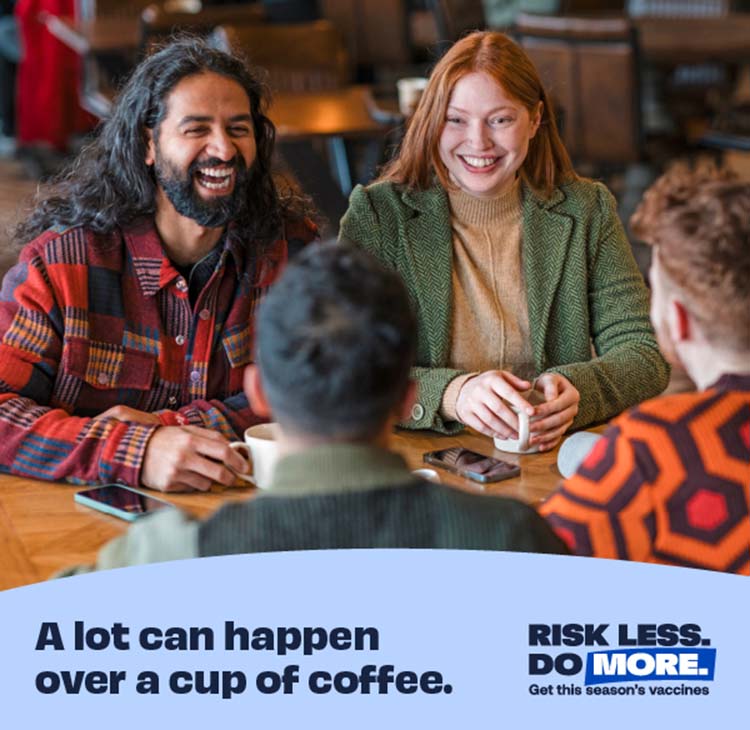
[{"x": 485, "y": 136}]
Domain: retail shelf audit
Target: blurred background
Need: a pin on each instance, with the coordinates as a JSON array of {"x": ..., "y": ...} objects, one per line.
[{"x": 635, "y": 83}]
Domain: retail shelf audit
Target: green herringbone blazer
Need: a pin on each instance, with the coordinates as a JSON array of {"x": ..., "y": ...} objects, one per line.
[{"x": 582, "y": 284}]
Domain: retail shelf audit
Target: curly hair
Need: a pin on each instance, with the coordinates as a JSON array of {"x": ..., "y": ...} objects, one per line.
[
  {"x": 109, "y": 185},
  {"x": 698, "y": 220}
]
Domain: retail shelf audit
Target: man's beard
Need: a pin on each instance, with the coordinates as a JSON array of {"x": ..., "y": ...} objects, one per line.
[{"x": 214, "y": 212}]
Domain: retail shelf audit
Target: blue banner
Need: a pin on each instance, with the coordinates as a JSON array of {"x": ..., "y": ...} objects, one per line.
[{"x": 377, "y": 639}]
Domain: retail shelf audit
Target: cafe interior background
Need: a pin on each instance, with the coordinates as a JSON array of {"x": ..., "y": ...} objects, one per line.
[{"x": 636, "y": 83}]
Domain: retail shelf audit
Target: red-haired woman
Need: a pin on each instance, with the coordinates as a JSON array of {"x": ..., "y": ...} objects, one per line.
[{"x": 515, "y": 264}]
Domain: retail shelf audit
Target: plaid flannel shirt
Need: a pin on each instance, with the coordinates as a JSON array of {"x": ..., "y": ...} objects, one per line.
[{"x": 89, "y": 321}]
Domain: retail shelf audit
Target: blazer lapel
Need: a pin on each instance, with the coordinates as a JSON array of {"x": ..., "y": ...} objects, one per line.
[
  {"x": 429, "y": 250},
  {"x": 546, "y": 235}
]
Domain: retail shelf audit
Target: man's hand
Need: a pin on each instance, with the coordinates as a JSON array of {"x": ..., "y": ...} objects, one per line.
[
  {"x": 186, "y": 458},
  {"x": 481, "y": 403},
  {"x": 126, "y": 413},
  {"x": 555, "y": 416}
]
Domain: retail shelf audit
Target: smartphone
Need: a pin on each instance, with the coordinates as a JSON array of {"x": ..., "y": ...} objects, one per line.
[
  {"x": 472, "y": 465},
  {"x": 123, "y": 502}
]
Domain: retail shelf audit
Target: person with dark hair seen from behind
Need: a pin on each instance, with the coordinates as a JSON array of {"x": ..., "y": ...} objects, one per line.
[
  {"x": 125, "y": 327},
  {"x": 336, "y": 339},
  {"x": 517, "y": 265},
  {"x": 669, "y": 482}
]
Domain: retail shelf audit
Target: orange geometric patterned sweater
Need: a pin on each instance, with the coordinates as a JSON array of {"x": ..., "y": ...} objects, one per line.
[{"x": 668, "y": 483}]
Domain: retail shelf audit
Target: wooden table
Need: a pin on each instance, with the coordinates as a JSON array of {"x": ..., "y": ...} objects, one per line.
[
  {"x": 539, "y": 475},
  {"x": 350, "y": 112},
  {"x": 43, "y": 530}
]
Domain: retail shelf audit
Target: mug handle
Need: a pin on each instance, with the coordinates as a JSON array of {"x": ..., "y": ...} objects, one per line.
[
  {"x": 523, "y": 431},
  {"x": 244, "y": 451}
]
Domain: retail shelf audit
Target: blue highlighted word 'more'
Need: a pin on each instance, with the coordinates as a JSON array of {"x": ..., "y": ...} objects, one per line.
[{"x": 631, "y": 665}]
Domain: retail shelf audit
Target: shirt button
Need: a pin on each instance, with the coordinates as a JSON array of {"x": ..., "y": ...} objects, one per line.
[
  {"x": 204, "y": 314},
  {"x": 417, "y": 412},
  {"x": 195, "y": 376},
  {"x": 180, "y": 340},
  {"x": 102, "y": 378},
  {"x": 181, "y": 285},
  {"x": 172, "y": 400}
]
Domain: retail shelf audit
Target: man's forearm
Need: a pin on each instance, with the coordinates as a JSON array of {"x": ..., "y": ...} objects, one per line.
[{"x": 48, "y": 443}]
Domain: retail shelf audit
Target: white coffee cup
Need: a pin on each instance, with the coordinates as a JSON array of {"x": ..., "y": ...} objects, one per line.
[
  {"x": 521, "y": 444},
  {"x": 261, "y": 448},
  {"x": 409, "y": 93}
]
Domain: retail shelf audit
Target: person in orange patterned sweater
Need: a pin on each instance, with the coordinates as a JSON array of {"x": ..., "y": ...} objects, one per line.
[{"x": 670, "y": 480}]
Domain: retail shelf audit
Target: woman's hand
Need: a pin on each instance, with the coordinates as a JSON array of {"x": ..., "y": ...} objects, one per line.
[
  {"x": 555, "y": 416},
  {"x": 481, "y": 403}
]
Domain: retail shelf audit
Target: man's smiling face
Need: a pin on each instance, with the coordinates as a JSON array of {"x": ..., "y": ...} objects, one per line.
[{"x": 203, "y": 150}]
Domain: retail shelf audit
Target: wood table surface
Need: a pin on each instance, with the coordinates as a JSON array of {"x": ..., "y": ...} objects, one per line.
[
  {"x": 42, "y": 529},
  {"x": 349, "y": 112}
]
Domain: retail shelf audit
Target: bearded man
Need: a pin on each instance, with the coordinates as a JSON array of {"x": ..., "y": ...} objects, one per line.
[{"x": 127, "y": 324}]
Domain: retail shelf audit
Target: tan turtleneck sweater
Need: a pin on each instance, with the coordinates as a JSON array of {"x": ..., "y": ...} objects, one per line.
[{"x": 490, "y": 329}]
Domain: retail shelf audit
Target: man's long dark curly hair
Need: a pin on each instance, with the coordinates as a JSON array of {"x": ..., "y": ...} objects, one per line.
[{"x": 110, "y": 185}]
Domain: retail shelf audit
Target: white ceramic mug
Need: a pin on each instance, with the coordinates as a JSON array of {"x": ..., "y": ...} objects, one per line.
[
  {"x": 261, "y": 448},
  {"x": 409, "y": 93},
  {"x": 521, "y": 444}
]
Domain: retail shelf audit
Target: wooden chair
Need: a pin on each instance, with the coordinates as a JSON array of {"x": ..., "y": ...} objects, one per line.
[
  {"x": 376, "y": 31},
  {"x": 589, "y": 66},
  {"x": 159, "y": 22},
  {"x": 298, "y": 57}
]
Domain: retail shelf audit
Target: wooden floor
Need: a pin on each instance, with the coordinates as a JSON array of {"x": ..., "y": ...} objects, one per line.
[{"x": 16, "y": 191}]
